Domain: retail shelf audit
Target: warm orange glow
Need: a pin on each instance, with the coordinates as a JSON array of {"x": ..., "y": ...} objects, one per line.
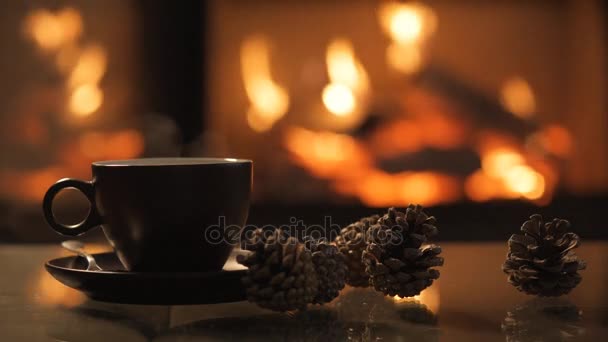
[
  {"x": 429, "y": 297},
  {"x": 517, "y": 96},
  {"x": 380, "y": 189},
  {"x": 525, "y": 181},
  {"x": 505, "y": 173},
  {"x": 67, "y": 57},
  {"x": 90, "y": 67},
  {"x": 269, "y": 101},
  {"x": 403, "y": 136},
  {"x": 480, "y": 187},
  {"x": 326, "y": 154},
  {"x": 45, "y": 290},
  {"x": 497, "y": 162},
  {"x": 123, "y": 144},
  {"x": 349, "y": 83},
  {"x": 405, "y": 58},
  {"x": 50, "y": 31},
  {"x": 29, "y": 185},
  {"x": 554, "y": 139},
  {"x": 85, "y": 99},
  {"x": 407, "y": 23},
  {"x": 344, "y": 68},
  {"x": 339, "y": 99},
  {"x": 447, "y": 131},
  {"x": 92, "y": 145}
]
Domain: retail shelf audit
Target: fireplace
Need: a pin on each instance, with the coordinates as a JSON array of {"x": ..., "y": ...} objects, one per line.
[{"x": 343, "y": 106}]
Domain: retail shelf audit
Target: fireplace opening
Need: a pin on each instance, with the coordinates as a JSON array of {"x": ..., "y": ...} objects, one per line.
[{"x": 486, "y": 112}]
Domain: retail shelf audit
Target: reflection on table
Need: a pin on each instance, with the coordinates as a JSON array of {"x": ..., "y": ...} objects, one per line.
[{"x": 471, "y": 301}]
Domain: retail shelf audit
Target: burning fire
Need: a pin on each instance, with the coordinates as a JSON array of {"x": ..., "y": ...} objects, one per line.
[
  {"x": 348, "y": 165},
  {"x": 327, "y": 155},
  {"x": 346, "y": 94},
  {"x": 505, "y": 173},
  {"x": 409, "y": 25},
  {"x": 269, "y": 101},
  {"x": 59, "y": 33},
  {"x": 52, "y": 31},
  {"x": 85, "y": 99}
]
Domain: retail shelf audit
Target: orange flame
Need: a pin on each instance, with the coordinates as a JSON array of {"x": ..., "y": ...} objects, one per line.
[
  {"x": 349, "y": 83},
  {"x": 269, "y": 101},
  {"x": 407, "y": 23},
  {"x": 50, "y": 31},
  {"x": 506, "y": 173},
  {"x": 347, "y": 164}
]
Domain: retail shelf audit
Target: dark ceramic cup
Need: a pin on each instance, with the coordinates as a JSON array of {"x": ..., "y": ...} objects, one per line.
[{"x": 158, "y": 213}]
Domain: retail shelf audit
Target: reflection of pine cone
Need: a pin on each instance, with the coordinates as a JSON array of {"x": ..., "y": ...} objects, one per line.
[
  {"x": 544, "y": 319},
  {"x": 417, "y": 313},
  {"x": 394, "y": 258},
  {"x": 352, "y": 242},
  {"x": 331, "y": 269},
  {"x": 281, "y": 273},
  {"x": 542, "y": 261}
]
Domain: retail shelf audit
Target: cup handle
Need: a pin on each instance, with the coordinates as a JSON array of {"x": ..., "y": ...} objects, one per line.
[{"x": 92, "y": 220}]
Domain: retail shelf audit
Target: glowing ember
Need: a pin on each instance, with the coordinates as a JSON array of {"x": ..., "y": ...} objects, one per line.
[
  {"x": 339, "y": 99},
  {"x": 85, "y": 99},
  {"x": 269, "y": 101},
  {"x": 517, "y": 97}
]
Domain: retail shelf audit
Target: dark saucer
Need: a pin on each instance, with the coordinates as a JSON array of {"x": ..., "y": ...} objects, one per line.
[{"x": 120, "y": 286}]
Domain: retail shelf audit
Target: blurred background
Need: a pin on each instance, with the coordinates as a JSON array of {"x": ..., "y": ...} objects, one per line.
[{"x": 485, "y": 111}]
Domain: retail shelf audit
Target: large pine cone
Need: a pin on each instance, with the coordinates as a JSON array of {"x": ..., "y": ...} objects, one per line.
[
  {"x": 352, "y": 242},
  {"x": 395, "y": 259},
  {"x": 331, "y": 269},
  {"x": 281, "y": 273},
  {"x": 542, "y": 261}
]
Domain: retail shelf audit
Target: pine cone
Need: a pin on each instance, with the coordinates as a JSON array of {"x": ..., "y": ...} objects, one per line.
[
  {"x": 542, "y": 261},
  {"x": 352, "y": 242},
  {"x": 395, "y": 259},
  {"x": 281, "y": 273},
  {"x": 331, "y": 269}
]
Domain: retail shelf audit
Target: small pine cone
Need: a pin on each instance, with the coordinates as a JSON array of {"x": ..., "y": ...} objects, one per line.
[
  {"x": 542, "y": 261},
  {"x": 352, "y": 242},
  {"x": 331, "y": 269},
  {"x": 281, "y": 273},
  {"x": 395, "y": 260}
]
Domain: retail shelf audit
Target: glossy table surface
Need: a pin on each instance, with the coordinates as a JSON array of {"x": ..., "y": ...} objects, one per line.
[{"x": 471, "y": 302}]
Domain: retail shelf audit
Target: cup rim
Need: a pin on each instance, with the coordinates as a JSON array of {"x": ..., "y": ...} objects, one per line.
[{"x": 177, "y": 161}]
